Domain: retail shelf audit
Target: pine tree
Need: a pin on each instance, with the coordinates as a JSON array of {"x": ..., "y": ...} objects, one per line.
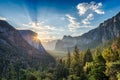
[
  {"x": 75, "y": 65},
  {"x": 97, "y": 52},
  {"x": 112, "y": 63},
  {"x": 11, "y": 72},
  {"x": 109, "y": 55},
  {"x": 98, "y": 69},
  {"x": 76, "y": 54},
  {"x": 87, "y": 57},
  {"x": 61, "y": 71},
  {"x": 68, "y": 59}
]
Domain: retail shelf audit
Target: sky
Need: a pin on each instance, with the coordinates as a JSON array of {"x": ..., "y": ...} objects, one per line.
[{"x": 52, "y": 19}]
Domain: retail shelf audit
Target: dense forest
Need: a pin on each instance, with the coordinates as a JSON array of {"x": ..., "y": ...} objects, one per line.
[{"x": 99, "y": 64}]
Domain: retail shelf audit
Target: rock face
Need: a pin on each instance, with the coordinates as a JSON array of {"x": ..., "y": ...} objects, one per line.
[
  {"x": 50, "y": 45},
  {"x": 107, "y": 30},
  {"x": 32, "y": 38},
  {"x": 14, "y": 49}
]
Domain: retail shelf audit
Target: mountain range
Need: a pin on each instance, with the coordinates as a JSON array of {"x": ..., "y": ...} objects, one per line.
[
  {"x": 107, "y": 30},
  {"x": 17, "y": 50}
]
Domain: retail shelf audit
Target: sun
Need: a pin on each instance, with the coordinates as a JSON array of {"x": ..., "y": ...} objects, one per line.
[{"x": 36, "y": 38}]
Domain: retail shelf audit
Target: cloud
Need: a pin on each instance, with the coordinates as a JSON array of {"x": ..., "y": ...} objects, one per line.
[
  {"x": 73, "y": 23},
  {"x": 82, "y": 8},
  {"x": 2, "y": 18},
  {"x": 35, "y": 24},
  {"x": 86, "y": 21},
  {"x": 44, "y": 31},
  {"x": 40, "y": 26},
  {"x": 88, "y": 10},
  {"x": 92, "y": 6}
]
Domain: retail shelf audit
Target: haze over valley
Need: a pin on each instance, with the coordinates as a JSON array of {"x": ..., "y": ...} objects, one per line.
[{"x": 59, "y": 40}]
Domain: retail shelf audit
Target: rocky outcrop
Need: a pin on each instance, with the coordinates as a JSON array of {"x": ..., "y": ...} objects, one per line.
[
  {"x": 32, "y": 38},
  {"x": 50, "y": 45},
  {"x": 107, "y": 30}
]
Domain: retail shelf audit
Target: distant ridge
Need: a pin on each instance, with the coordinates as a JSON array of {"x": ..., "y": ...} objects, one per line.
[{"x": 107, "y": 30}]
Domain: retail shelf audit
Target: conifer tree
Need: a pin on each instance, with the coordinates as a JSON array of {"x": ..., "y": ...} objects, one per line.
[
  {"x": 87, "y": 57},
  {"x": 68, "y": 59},
  {"x": 11, "y": 72},
  {"x": 76, "y": 54},
  {"x": 76, "y": 66}
]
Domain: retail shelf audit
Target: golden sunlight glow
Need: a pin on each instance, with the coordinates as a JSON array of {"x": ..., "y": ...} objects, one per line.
[{"x": 36, "y": 38}]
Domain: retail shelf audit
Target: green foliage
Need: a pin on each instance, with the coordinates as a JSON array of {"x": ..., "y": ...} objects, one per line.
[
  {"x": 68, "y": 62},
  {"x": 73, "y": 77},
  {"x": 92, "y": 77},
  {"x": 100, "y": 60},
  {"x": 96, "y": 53},
  {"x": 61, "y": 71},
  {"x": 76, "y": 67},
  {"x": 96, "y": 69},
  {"x": 87, "y": 56},
  {"x": 76, "y": 55},
  {"x": 11, "y": 72},
  {"x": 31, "y": 77},
  {"x": 109, "y": 55},
  {"x": 118, "y": 76},
  {"x": 87, "y": 67},
  {"x": 117, "y": 42},
  {"x": 97, "y": 72},
  {"x": 112, "y": 69},
  {"x": 84, "y": 65}
]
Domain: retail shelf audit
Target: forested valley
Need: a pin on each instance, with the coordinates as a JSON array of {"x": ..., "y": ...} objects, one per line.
[{"x": 99, "y": 64}]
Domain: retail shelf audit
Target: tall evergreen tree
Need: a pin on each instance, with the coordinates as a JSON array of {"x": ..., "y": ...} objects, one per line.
[
  {"x": 98, "y": 69},
  {"x": 68, "y": 59},
  {"x": 11, "y": 72},
  {"x": 76, "y": 54},
  {"x": 97, "y": 52},
  {"x": 109, "y": 55},
  {"x": 61, "y": 71},
  {"x": 75, "y": 65},
  {"x": 87, "y": 56}
]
